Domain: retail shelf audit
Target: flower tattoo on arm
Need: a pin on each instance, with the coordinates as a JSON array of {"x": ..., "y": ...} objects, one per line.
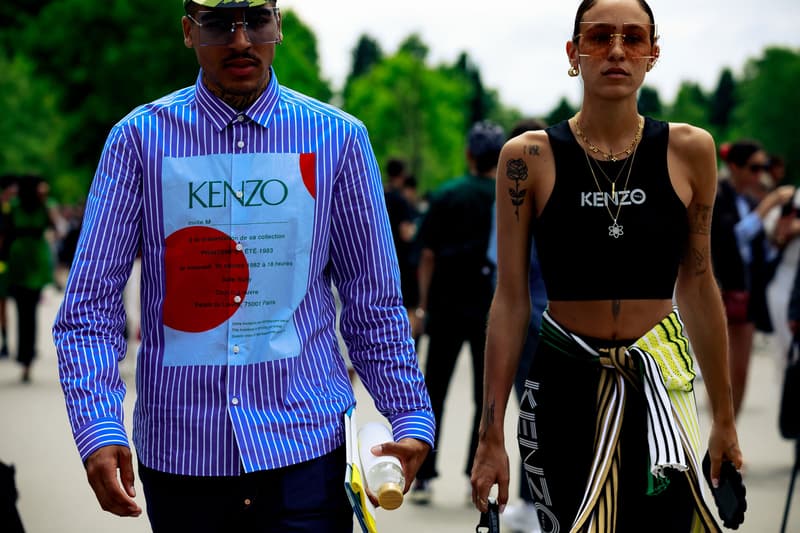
[{"x": 517, "y": 170}]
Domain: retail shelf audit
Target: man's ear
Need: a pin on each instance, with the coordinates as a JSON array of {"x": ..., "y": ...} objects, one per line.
[{"x": 187, "y": 32}]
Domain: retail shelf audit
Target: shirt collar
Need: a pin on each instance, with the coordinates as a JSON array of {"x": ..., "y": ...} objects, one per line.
[{"x": 221, "y": 115}]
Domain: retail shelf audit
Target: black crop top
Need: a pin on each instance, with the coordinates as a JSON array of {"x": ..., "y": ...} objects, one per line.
[{"x": 580, "y": 257}]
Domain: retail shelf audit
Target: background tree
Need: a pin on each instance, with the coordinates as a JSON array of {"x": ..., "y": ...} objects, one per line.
[
  {"x": 562, "y": 111},
  {"x": 33, "y": 143},
  {"x": 415, "y": 112},
  {"x": 768, "y": 103},
  {"x": 141, "y": 58},
  {"x": 480, "y": 101},
  {"x": 722, "y": 104},
  {"x": 650, "y": 103},
  {"x": 691, "y": 105},
  {"x": 366, "y": 54}
]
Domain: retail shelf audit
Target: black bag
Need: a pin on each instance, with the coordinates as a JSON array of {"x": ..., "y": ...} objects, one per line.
[
  {"x": 9, "y": 517},
  {"x": 789, "y": 417}
]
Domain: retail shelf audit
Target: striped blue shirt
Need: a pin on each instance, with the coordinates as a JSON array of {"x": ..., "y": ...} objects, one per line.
[{"x": 243, "y": 221}]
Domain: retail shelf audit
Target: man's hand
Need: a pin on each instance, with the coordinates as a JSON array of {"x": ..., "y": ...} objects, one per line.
[
  {"x": 115, "y": 494},
  {"x": 411, "y": 453}
]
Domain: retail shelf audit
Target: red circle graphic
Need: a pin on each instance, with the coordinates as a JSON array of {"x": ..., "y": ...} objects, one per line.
[{"x": 206, "y": 278}]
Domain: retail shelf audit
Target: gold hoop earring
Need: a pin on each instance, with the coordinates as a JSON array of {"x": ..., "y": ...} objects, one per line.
[{"x": 573, "y": 71}]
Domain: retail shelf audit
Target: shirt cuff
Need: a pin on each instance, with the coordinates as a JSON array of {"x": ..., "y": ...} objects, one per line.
[
  {"x": 415, "y": 424},
  {"x": 100, "y": 433}
]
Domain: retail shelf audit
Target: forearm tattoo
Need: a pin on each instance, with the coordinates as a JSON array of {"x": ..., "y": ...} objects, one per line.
[
  {"x": 699, "y": 224},
  {"x": 488, "y": 418},
  {"x": 517, "y": 170},
  {"x": 699, "y": 259},
  {"x": 700, "y": 220}
]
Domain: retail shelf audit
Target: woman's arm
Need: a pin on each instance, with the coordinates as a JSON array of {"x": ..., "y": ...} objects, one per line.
[
  {"x": 510, "y": 310},
  {"x": 698, "y": 295}
]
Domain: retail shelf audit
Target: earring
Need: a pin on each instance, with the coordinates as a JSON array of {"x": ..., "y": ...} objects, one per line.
[{"x": 573, "y": 71}]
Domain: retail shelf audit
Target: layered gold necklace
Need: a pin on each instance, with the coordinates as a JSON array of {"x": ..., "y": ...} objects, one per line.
[
  {"x": 610, "y": 156},
  {"x": 615, "y": 230}
]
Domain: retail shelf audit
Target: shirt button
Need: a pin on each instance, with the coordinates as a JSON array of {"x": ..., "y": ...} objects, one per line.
[
  {"x": 240, "y": 144},
  {"x": 235, "y": 348},
  {"x": 239, "y": 246},
  {"x": 240, "y": 118},
  {"x": 237, "y": 299},
  {"x": 235, "y": 401}
]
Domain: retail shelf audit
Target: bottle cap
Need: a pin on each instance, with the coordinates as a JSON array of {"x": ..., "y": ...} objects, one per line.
[{"x": 390, "y": 496}]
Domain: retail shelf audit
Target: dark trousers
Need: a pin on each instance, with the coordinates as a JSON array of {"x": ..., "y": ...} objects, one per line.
[
  {"x": 557, "y": 430},
  {"x": 307, "y": 497},
  {"x": 27, "y": 301},
  {"x": 445, "y": 338}
]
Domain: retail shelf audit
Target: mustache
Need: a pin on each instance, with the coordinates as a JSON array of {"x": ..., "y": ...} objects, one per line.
[{"x": 240, "y": 56}]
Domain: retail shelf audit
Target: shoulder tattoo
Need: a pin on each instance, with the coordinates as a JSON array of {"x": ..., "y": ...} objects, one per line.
[{"x": 517, "y": 170}]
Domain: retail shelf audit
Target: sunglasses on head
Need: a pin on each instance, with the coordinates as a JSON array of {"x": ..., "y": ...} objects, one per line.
[{"x": 597, "y": 38}]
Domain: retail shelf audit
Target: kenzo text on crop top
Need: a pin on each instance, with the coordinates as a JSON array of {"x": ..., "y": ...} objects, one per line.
[{"x": 584, "y": 255}]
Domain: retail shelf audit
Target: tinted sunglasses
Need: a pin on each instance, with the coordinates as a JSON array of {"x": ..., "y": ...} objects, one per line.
[
  {"x": 597, "y": 38},
  {"x": 218, "y": 27},
  {"x": 758, "y": 167}
]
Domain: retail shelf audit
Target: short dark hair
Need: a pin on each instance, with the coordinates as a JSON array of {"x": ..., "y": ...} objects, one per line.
[
  {"x": 741, "y": 150},
  {"x": 395, "y": 167},
  {"x": 586, "y": 5},
  {"x": 527, "y": 124},
  {"x": 484, "y": 142}
]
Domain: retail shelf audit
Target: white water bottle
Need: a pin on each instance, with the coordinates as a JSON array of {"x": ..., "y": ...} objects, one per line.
[{"x": 383, "y": 473}]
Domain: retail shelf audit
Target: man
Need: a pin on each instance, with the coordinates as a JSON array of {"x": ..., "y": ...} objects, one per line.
[
  {"x": 403, "y": 216},
  {"x": 455, "y": 281},
  {"x": 246, "y": 200}
]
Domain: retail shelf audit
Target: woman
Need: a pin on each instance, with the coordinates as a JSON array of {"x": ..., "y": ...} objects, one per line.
[
  {"x": 620, "y": 208},
  {"x": 742, "y": 256},
  {"x": 30, "y": 262}
]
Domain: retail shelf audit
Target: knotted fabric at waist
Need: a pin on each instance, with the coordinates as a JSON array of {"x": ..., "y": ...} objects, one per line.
[{"x": 658, "y": 364}]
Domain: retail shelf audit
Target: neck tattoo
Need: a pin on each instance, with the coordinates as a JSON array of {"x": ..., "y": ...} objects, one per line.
[
  {"x": 610, "y": 156},
  {"x": 240, "y": 102}
]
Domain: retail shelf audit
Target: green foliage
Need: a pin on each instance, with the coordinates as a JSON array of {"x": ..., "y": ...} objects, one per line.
[
  {"x": 650, "y": 103},
  {"x": 414, "y": 112},
  {"x": 135, "y": 54},
  {"x": 691, "y": 105},
  {"x": 562, "y": 111},
  {"x": 768, "y": 97},
  {"x": 723, "y": 102},
  {"x": 297, "y": 60},
  {"x": 366, "y": 55},
  {"x": 34, "y": 133}
]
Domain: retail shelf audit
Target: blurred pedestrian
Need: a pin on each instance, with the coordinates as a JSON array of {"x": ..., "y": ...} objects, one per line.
[
  {"x": 455, "y": 283},
  {"x": 8, "y": 191},
  {"x": 742, "y": 255},
  {"x": 247, "y": 200},
  {"x": 30, "y": 262},
  {"x": 403, "y": 217}
]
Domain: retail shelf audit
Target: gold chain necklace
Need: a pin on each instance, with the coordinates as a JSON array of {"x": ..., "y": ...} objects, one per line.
[
  {"x": 610, "y": 156},
  {"x": 613, "y": 182},
  {"x": 614, "y": 230}
]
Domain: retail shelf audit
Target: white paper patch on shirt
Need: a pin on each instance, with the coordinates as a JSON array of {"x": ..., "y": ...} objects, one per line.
[{"x": 238, "y": 230}]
